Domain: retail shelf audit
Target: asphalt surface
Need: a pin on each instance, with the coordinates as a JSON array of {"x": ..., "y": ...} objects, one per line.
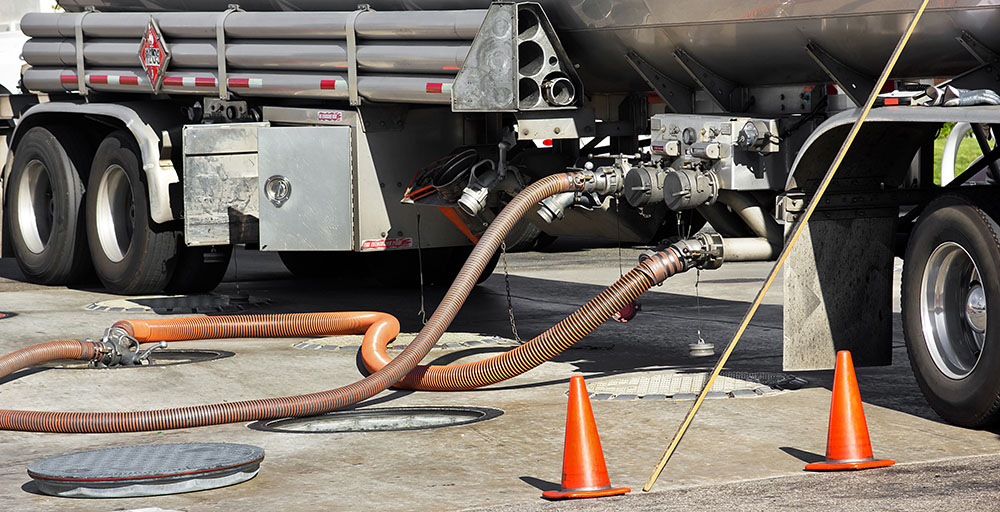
[{"x": 740, "y": 454}]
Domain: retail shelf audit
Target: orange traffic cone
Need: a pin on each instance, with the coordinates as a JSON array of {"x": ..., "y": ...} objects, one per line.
[
  {"x": 584, "y": 473},
  {"x": 847, "y": 442}
]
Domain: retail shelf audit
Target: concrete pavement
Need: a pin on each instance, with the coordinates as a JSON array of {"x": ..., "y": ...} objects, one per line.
[{"x": 742, "y": 453}]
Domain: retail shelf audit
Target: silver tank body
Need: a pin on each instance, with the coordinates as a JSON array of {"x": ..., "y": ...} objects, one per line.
[{"x": 752, "y": 42}]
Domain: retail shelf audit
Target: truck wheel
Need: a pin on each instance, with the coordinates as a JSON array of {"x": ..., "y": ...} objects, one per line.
[
  {"x": 950, "y": 285},
  {"x": 199, "y": 269},
  {"x": 131, "y": 254},
  {"x": 45, "y": 198}
]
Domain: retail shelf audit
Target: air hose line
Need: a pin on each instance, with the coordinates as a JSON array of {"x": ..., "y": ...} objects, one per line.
[{"x": 375, "y": 325}]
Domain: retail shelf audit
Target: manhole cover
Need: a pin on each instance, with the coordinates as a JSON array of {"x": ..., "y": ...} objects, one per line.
[
  {"x": 4, "y": 315},
  {"x": 168, "y": 304},
  {"x": 381, "y": 420},
  {"x": 148, "y": 470},
  {"x": 687, "y": 385},
  {"x": 166, "y": 357}
]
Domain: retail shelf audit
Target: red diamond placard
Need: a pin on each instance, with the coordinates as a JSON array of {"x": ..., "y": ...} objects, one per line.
[{"x": 154, "y": 55}]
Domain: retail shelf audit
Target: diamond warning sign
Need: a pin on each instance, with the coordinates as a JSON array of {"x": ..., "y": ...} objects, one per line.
[{"x": 153, "y": 54}]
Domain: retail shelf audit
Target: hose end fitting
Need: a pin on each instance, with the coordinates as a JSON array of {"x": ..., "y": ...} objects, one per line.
[
  {"x": 604, "y": 180},
  {"x": 705, "y": 251},
  {"x": 118, "y": 348},
  {"x": 553, "y": 208}
]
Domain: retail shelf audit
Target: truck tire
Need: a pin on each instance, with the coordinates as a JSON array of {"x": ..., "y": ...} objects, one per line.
[
  {"x": 523, "y": 237},
  {"x": 131, "y": 254},
  {"x": 45, "y": 206},
  {"x": 950, "y": 285},
  {"x": 199, "y": 269}
]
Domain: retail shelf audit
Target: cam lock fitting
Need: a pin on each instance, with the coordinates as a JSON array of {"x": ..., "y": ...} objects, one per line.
[
  {"x": 118, "y": 348},
  {"x": 705, "y": 251}
]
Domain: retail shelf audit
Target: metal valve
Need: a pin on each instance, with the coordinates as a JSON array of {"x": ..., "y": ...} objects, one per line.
[{"x": 118, "y": 348}]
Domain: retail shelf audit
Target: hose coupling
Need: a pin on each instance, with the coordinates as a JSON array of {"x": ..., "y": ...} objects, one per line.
[
  {"x": 604, "y": 180},
  {"x": 704, "y": 251},
  {"x": 553, "y": 208},
  {"x": 118, "y": 348}
]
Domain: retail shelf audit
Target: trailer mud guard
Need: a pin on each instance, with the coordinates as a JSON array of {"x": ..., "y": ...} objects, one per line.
[
  {"x": 838, "y": 283},
  {"x": 158, "y": 176}
]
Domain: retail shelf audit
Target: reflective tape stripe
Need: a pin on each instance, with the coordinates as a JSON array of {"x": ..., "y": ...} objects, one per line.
[
  {"x": 189, "y": 81},
  {"x": 333, "y": 84},
  {"x": 243, "y": 83},
  {"x": 438, "y": 88}
]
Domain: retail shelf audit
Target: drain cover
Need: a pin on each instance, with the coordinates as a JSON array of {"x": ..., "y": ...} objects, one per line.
[
  {"x": 149, "y": 470},
  {"x": 382, "y": 420},
  {"x": 166, "y": 304}
]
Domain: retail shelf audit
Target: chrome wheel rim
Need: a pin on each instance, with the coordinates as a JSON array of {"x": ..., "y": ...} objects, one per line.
[
  {"x": 114, "y": 217},
  {"x": 35, "y": 207},
  {"x": 953, "y": 310}
]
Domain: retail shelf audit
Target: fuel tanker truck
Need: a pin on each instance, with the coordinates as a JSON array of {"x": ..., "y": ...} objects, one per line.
[{"x": 149, "y": 137}]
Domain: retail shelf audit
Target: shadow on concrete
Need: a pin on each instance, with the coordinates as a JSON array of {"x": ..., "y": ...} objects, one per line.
[
  {"x": 655, "y": 340},
  {"x": 22, "y": 373},
  {"x": 541, "y": 485},
  {"x": 31, "y": 487},
  {"x": 804, "y": 456}
]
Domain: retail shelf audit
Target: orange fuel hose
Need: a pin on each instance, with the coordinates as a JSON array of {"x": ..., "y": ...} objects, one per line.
[
  {"x": 308, "y": 324},
  {"x": 376, "y": 325}
]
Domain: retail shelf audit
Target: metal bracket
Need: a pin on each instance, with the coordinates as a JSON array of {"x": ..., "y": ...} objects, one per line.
[
  {"x": 352, "y": 55},
  {"x": 855, "y": 84},
  {"x": 984, "y": 55},
  {"x": 81, "y": 77},
  {"x": 676, "y": 96},
  {"x": 718, "y": 88},
  {"x": 220, "y": 45}
]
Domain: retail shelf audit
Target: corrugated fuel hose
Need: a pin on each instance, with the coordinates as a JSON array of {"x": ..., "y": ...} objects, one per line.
[{"x": 379, "y": 329}]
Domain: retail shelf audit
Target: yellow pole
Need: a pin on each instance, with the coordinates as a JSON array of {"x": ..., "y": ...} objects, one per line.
[{"x": 799, "y": 227}]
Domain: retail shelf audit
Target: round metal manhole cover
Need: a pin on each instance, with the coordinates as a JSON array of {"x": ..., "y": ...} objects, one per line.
[
  {"x": 389, "y": 419},
  {"x": 178, "y": 304},
  {"x": 148, "y": 470},
  {"x": 165, "y": 357},
  {"x": 6, "y": 314}
]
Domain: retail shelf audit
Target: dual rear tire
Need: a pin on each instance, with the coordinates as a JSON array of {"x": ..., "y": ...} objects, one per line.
[
  {"x": 74, "y": 212},
  {"x": 45, "y": 207}
]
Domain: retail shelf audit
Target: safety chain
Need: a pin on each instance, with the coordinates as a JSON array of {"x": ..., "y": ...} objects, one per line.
[
  {"x": 420, "y": 268},
  {"x": 506, "y": 281}
]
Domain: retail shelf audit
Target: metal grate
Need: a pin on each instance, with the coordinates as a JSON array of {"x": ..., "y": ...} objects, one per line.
[{"x": 686, "y": 385}]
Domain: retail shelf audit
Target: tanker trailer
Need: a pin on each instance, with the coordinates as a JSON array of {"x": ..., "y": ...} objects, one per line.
[{"x": 153, "y": 135}]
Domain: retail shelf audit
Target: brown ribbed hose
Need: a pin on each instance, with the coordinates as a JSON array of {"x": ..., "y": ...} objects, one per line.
[
  {"x": 541, "y": 348},
  {"x": 42, "y": 352},
  {"x": 292, "y": 325}
]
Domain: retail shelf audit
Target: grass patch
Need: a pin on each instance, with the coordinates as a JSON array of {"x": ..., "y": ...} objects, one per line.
[{"x": 968, "y": 152}]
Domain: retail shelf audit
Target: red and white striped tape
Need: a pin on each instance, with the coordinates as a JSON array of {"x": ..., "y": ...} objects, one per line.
[{"x": 189, "y": 81}]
